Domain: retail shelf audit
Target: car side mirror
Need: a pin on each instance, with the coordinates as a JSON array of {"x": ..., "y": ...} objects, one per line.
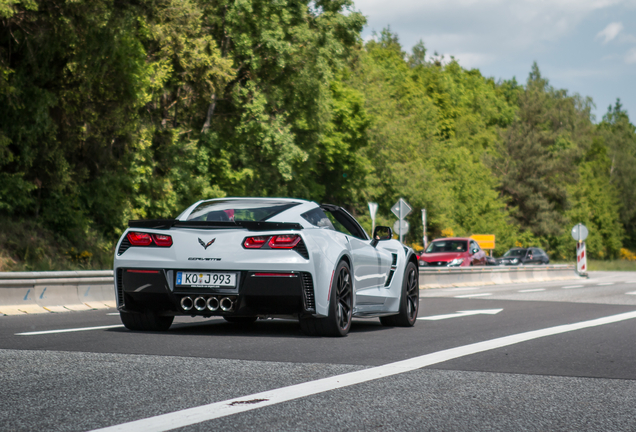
[
  {"x": 474, "y": 251},
  {"x": 381, "y": 233}
]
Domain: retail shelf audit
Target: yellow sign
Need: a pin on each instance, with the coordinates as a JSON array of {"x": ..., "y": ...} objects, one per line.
[{"x": 485, "y": 241}]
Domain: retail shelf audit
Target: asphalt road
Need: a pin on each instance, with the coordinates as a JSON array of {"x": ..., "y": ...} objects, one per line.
[{"x": 437, "y": 375}]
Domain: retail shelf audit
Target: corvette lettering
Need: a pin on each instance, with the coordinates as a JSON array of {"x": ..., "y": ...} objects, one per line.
[{"x": 203, "y": 259}]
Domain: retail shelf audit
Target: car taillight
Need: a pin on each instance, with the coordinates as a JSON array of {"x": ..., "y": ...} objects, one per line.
[
  {"x": 145, "y": 239},
  {"x": 287, "y": 241},
  {"x": 162, "y": 240},
  {"x": 139, "y": 239},
  {"x": 254, "y": 242}
]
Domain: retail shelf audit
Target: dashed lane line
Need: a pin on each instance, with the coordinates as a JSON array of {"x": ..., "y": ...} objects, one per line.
[
  {"x": 473, "y": 295},
  {"x": 532, "y": 290},
  {"x": 573, "y": 286},
  {"x": 605, "y": 283},
  {"x": 191, "y": 416}
]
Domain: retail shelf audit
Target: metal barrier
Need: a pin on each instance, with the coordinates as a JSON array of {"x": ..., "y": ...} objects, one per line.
[
  {"x": 458, "y": 276},
  {"x": 42, "y": 292}
]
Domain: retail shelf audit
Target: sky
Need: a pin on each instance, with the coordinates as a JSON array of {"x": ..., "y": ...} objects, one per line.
[{"x": 584, "y": 46}]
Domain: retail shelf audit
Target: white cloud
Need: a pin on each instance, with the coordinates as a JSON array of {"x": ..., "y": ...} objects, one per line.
[
  {"x": 471, "y": 60},
  {"x": 610, "y": 32},
  {"x": 630, "y": 57}
]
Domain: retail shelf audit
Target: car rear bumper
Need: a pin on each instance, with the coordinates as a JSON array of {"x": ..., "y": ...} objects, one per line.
[{"x": 259, "y": 293}]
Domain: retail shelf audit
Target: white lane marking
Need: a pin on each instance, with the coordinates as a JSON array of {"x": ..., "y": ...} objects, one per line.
[
  {"x": 630, "y": 282},
  {"x": 229, "y": 407},
  {"x": 462, "y": 314},
  {"x": 573, "y": 286},
  {"x": 113, "y": 313},
  {"x": 67, "y": 330},
  {"x": 532, "y": 290},
  {"x": 605, "y": 283},
  {"x": 473, "y": 295},
  {"x": 631, "y": 293}
]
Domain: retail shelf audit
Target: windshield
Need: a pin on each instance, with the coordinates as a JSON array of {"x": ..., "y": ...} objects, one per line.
[
  {"x": 447, "y": 246},
  {"x": 515, "y": 253},
  {"x": 233, "y": 210}
]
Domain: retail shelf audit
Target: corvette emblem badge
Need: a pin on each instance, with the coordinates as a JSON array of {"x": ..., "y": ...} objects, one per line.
[{"x": 204, "y": 244}]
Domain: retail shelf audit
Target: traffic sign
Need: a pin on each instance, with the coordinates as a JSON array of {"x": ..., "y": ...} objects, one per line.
[
  {"x": 401, "y": 209},
  {"x": 401, "y": 227},
  {"x": 579, "y": 232},
  {"x": 485, "y": 241},
  {"x": 373, "y": 209}
]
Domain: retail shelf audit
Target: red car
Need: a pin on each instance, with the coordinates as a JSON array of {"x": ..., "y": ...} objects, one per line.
[{"x": 452, "y": 252}]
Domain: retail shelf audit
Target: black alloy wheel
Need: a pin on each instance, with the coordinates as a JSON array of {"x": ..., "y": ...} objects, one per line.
[
  {"x": 344, "y": 298},
  {"x": 409, "y": 300},
  {"x": 338, "y": 323}
]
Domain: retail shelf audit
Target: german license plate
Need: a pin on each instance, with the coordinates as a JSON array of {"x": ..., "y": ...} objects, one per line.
[{"x": 206, "y": 279}]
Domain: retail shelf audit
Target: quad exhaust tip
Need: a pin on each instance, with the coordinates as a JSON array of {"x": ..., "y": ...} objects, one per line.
[
  {"x": 187, "y": 303},
  {"x": 226, "y": 304},
  {"x": 212, "y": 304},
  {"x": 200, "y": 303}
]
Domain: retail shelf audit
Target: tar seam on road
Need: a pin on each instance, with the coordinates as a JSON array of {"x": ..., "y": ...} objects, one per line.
[{"x": 225, "y": 408}]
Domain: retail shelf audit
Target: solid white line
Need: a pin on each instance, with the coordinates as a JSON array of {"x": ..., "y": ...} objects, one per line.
[
  {"x": 473, "y": 295},
  {"x": 67, "y": 330},
  {"x": 573, "y": 286},
  {"x": 229, "y": 407},
  {"x": 605, "y": 283},
  {"x": 532, "y": 290}
]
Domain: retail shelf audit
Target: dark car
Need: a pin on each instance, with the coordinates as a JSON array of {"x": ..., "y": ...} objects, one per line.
[
  {"x": 491, "y": 260},
  {"x": 524, "y": 256},
  {"x": 452, "y": 252}
]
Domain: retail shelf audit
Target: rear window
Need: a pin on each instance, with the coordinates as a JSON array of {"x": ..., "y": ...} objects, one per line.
[
  {"x": 515, "y": 253},
  {"x": 447, "y": 246},
  {"x": 318, "y": 218},
  {"x": 239, "y": 210}
]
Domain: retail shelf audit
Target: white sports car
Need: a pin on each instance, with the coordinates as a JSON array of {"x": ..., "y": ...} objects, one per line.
[{"x": 245, "y": 258}]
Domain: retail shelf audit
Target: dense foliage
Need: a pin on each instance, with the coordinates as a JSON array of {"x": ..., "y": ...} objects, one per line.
[{"x": 117, "y": 110}]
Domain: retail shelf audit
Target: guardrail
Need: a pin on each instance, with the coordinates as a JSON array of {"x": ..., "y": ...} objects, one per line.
[
  {"x": 41, "y": 292},
  {"x": 446, "y": 276}
]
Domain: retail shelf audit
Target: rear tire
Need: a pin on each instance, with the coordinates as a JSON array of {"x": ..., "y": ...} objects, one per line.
[
  {"x": 240, "y": 320},
  {"x": 338, "y": 322},
  {"x": 145, "y": 321},
  {"x": 409, "y": 300}
]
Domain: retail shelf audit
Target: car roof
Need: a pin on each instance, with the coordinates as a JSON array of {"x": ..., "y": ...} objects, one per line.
[{"x": 452, "y": 238}]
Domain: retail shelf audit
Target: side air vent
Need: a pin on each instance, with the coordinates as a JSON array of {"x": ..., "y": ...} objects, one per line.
[
  {"x": 308, "y": 292},
  {"x": 392, "y": 272},
  {"x": 123, "y": 247},
  {"x": 302, "y": 250},
  {"x": 120, "y": 287}
]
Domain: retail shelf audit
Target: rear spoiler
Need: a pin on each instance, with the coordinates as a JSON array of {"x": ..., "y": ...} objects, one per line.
[{"x": 166, "y": 224}]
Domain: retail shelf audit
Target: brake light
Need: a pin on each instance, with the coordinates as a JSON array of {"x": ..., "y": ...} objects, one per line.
[
  {"x": 139, "y": 239},
  {"x": 162, "y": 240},
  {"x": 254, "y": 242},
  {"x": 145, "y": 239},
  {"x": 287, "y": 241}
]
